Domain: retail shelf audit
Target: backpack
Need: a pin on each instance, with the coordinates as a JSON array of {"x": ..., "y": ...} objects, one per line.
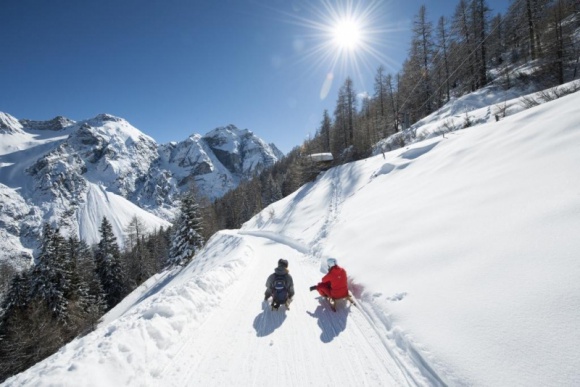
[{"x": 279, "y": 290}]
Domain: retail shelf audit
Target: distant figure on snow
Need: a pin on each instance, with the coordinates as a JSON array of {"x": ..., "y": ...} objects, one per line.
[{"x": 280, "y": 286}]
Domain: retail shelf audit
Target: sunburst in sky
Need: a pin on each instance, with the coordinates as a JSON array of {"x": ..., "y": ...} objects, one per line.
[{"x": 346, "y": 38}]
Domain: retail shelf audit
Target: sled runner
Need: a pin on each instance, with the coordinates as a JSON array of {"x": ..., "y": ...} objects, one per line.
[
  {"x": 275, "y": 305},
  {"x": 332, "y": 301}
]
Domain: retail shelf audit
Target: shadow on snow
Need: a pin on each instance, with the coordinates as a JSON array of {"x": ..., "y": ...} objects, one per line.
[
  {"x": 269, "y": 320},
  {"x": 331, "y": 323}
]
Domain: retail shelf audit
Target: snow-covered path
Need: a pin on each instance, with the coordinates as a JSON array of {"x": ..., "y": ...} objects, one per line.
[{"x": 309, "y": 345}]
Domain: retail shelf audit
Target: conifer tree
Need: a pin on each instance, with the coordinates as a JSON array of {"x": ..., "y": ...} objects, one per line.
[
  {"x": 50, "y": 278},
  {"x": 187, "y": 237},
  {"x": 7, "y": 273},
  {"x": 108, "y": 264},
  {"x": 86, "y": 293},
  {"x": 158, "y": 246},
  {"x": 271, "y": 190},
  {"x": 17, "y": 297}
]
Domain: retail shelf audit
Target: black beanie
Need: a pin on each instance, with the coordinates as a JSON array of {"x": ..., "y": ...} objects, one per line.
[{"x": 283, "y": 263}]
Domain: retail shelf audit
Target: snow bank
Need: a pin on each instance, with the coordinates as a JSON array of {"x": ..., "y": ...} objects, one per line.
[{"x": 141, "y": 337}]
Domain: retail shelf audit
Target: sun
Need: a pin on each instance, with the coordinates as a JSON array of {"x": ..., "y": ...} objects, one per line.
[
  {"x": 347, "y": 34},
  {"x": 345, "y": 38}
]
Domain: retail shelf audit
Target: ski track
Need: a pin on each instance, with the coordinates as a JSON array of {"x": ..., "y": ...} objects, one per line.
[{"x": 309, "y": 345}]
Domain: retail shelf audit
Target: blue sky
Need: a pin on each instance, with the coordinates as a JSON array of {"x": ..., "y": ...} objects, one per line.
[{"x": 173, "y": 68}]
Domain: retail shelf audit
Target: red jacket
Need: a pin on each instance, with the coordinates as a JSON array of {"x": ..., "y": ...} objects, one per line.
[{"x": 336, "y": 278}]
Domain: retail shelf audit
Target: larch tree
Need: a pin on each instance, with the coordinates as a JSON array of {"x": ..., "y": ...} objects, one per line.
[
  {"x": 422, "y": 52},
  {"x": 464, "y": 47},
  {"x": 344, "y": 117},
  {"x": 380, "y": 101},
  {"x": 324, "y": 132},
  {"x": 479, "y": 21},
  {"x": 558, "y": 42},
  {"x": 139, "y": 267},
  {"x": 443, "y": 55}
]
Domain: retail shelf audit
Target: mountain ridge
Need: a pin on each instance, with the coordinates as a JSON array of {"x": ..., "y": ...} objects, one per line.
[{"x": 57, "y": 167}]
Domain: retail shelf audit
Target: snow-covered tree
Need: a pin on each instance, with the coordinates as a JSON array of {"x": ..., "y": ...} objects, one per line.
[
  {"x": 109, "y": 268},
  {"x": 157, "y": 245},
  {"x": 7, "y": 272},
  {"x": 50, "y": 277},
  {"x": 187, "y": 237},
  {"x": 17, "y": 296},
  {"x": 271, "y": 190},
  {"x": 85, "y": 294}
]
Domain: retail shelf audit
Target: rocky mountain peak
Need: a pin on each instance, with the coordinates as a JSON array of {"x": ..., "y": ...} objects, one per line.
[
  {"x": 57, "y": 123},
  {"x": 104, "y": 117},
  {"x": 9, "y": 124}
]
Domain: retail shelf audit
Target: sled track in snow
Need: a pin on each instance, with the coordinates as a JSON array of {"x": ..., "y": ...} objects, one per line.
[
  {"x": 417, "y": 371},
  {"x": 332, "y": 214},
  {"x": 400, "y": 348}
]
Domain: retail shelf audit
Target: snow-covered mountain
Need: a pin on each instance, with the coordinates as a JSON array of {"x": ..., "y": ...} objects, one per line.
[
  {"x": 216, "y": 162},
  {"x": 462, "y": 253},
  {"x": 71, "y": 174}
]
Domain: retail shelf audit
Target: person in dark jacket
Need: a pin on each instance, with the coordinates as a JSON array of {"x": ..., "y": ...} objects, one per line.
[
  {"x": 280, "y": 273},
  {"x": 334, "y": 283}
]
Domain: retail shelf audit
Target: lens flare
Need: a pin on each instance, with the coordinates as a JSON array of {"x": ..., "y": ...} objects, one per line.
[{"x": 326, "y": 86}]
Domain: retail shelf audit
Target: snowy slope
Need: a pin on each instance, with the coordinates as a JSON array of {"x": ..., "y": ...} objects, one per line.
[
  {"x": 485, "y": 105},
  {"x": 463, "y": 257},
  {"x": 9, "y": 124}
]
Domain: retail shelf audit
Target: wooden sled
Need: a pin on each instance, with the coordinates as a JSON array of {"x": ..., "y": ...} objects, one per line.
[{"x": 332, "y": 301}]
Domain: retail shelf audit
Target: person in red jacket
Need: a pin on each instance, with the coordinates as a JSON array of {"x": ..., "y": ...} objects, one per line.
[{"x": 334, "y": 283}]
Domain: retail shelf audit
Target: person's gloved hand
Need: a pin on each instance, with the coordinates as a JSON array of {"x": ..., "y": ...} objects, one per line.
[{"x": 312, "y": 288}]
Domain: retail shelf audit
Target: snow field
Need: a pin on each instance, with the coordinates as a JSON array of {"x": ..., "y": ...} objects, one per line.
[{"x": 462, "y": 253}]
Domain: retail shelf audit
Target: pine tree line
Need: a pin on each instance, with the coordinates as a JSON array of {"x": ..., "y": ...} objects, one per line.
[{"x": 72, "y": 284}]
